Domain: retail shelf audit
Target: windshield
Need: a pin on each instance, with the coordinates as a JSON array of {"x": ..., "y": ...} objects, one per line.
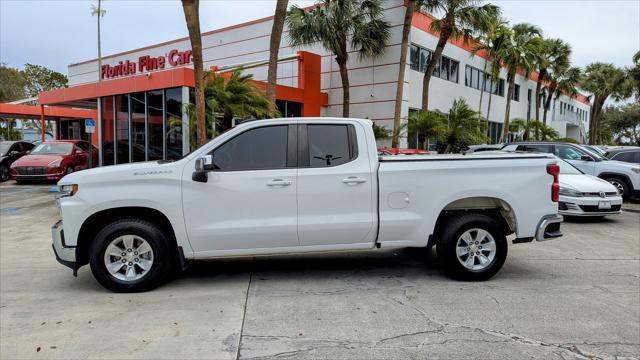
[
  {"x": 567, "y": 169},
  {"x": 4, "y": 147},
  {"x": 52, "y": 148}
]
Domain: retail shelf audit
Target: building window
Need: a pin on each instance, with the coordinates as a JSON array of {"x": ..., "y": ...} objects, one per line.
[
  {"x": 289, "y": 108},
  {"x": 155, "y": 121},
  {"x": 122, "y": 129},
  {"x": 446, "y": 68},
  {"x": 494, "y": 132},
  {"x": 516, "y": 93},
  {"x": 173, "y": 105},
  {"x": 479, "y": 79},
  {"x": 138, "y": 127}
]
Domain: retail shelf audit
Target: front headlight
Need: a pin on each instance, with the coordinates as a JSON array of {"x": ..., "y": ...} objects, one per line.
[
  {"x": 67, "y": 190},
  {"x": 566, "y": 191}
]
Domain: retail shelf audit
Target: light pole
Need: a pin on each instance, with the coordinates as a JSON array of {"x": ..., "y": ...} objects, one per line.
[{"x": 99, "y": 12}]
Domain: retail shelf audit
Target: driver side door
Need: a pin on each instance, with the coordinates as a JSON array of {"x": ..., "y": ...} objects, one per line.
[{"x": 249, "y": 200}]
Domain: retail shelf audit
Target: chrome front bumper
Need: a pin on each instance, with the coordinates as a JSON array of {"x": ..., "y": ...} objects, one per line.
[
  {"x": 549, "y": 227},
  {"x": 66, "y": 255}
]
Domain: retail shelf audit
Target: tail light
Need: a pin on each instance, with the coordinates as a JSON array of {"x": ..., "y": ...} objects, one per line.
[{"x": 554, "y": 170}]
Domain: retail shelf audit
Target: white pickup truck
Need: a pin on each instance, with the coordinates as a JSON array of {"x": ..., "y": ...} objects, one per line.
[{"x": 301, "y": 185}]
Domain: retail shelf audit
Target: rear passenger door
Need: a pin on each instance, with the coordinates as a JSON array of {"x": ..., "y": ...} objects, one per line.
[{"x": 335, "y": 186}]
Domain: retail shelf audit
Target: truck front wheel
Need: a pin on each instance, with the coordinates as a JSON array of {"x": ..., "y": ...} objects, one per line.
[
  {"x": 130, "y": 255},
  {"x": 473, "y": 247}
]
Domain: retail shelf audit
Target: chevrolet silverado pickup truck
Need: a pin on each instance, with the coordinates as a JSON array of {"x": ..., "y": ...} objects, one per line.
[{"x": 301, "y": 185}]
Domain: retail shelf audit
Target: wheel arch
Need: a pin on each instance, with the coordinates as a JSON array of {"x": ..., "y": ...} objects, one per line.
[
  {"x": 496, "y": 208},
  {"x": 94, "y": 223},
  {"x": 607, "y": 174}
]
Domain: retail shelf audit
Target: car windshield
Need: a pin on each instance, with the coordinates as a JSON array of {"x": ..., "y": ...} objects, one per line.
[
  {"x": 567, "y": 169},
  {"x": 4, "y": 147},
  {"x": 53, "y": 148}
]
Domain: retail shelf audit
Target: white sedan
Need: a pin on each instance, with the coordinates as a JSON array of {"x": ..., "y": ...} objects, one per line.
[{"x": 586, "y": 195}]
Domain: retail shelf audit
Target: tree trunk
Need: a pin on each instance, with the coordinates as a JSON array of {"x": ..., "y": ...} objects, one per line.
[
  {"x": 404, "y": 49},
  {"x": 192, "y": 17},
  {"x": 484, "y": 85},
  {"x": 445, "y": 34},
  {"x": 507, "y": 111},
  {"x": 274, "y": 47},
  {"x": 344, "y": 76},
  {"x": 547, "y": 104},
  {"x": 541, "y": 76},
  {"x": 598, "y": 103}
]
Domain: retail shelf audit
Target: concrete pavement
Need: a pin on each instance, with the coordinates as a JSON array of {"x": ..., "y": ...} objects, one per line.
[{"x": 577, "y": 297}]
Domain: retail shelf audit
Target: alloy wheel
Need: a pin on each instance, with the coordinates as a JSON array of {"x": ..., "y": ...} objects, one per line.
[
  {"x": 128, "y": 258},
  {"x": 476, "y": 249}
]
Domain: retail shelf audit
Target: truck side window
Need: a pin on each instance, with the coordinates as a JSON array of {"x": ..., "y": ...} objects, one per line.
[
  {"x": 330, "y": 145},
  {"x": 256, "y": 149}
]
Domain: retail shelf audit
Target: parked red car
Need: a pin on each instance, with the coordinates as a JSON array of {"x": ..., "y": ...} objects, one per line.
[
  {"x": 396, "y": 151},
  {"x": 52, "y": 160}
]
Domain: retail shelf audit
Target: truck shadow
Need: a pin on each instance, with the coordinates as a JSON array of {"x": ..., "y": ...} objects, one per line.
[{"x": 323, "y": 264}]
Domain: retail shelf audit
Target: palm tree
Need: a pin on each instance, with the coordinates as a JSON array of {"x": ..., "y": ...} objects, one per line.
[
  {"x": 191, "y": 10},
  {"x": 235, "y": 96},
  {"x": 230, "y": 96},
  {"x": 404, "y": 49},
  {"x": 426, "y": 125},
  {"x": 561, "y": 82},
  {"x": 339, "y": 26},
  {"x": 274, "y": 47},
  {"x": 460, "y": 18},
  {"x": 554, "y": 56},
  {"x": 489, "y": 42},
  {"x": 634, "y": 75},
  {"x": 603, "y": 80},
  {"x": 465, "y": 127},
  {"x": 518, "y": 51},
  {"x": 380, "y": 132}
]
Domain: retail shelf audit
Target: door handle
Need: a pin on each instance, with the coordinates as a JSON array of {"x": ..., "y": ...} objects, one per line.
[
  {"x": 351, "y": 180},
  {"x": 279, "y": 182}
]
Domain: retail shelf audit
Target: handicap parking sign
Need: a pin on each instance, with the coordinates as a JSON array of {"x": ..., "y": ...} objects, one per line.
[{"x": 89, "y": 126}]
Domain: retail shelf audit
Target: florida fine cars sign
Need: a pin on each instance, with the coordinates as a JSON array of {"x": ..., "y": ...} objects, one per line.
[{"x": 147, "y": 63}]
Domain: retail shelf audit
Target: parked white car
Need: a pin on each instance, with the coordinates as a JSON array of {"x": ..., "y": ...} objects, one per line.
[
  {"x": 301, "y": 185},
  {"x": 624, "y": 176},
  {"x": 586, "y": 195}
]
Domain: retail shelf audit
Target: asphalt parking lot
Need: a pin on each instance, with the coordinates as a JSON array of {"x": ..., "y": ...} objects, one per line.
[{"x": 577, "y": 297}]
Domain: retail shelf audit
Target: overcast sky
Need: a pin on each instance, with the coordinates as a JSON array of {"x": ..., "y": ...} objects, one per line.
[{"x": 57, "y": 33}]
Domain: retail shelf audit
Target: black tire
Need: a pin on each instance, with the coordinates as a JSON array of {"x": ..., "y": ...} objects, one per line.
[
  {"x": 621, "y": 185},
  {"x": 447, "y": 246},
  {"x": 144, "y": 229},
  {"x": 69, "y": 169},
  {"x": 4, "y": 173}
]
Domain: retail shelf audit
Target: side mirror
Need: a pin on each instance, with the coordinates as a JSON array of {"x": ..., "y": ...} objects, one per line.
[
  {"x": 586, "y": 158},
  {"x": 12, "y": 153},
  {"x": 202, "y": 167}
]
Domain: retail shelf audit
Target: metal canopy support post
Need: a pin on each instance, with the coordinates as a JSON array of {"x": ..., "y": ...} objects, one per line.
[
  {"x": 99, "y": 127},
  {"x": 185, "y": 121},
  {"x": 42, "y": 124}
]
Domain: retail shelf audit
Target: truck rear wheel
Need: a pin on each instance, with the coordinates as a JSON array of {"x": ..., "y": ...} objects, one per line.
[
  {"x": 130, "y": 255},
  {"x": 472, "y": 247}
]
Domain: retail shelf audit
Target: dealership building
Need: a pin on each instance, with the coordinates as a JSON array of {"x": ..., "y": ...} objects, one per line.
[{"x": 140, "y": 101}]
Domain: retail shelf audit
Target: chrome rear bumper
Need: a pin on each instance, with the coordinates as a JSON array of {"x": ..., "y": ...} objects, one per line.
[{"x": 549, "y": 227}]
